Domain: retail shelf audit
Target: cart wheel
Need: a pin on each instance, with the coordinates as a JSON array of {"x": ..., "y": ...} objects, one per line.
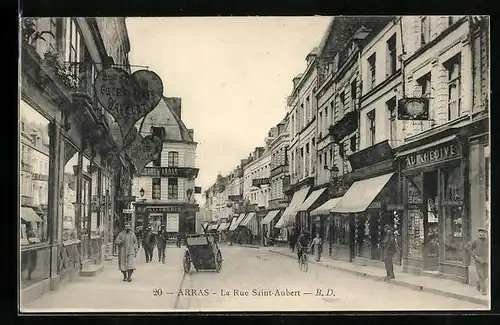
[
  {"x": 218, "y": 261},
  {"x": 187, "y": 262}
]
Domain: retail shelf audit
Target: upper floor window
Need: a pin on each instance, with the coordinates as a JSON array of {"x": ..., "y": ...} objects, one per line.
[
  {"x": 371, "y": 127},
  {"x": 173, "y": 159},
  {"x": 453, "y": 19},
  {"x": 173, "y": 188},
  {"x": 341, "y": 104},
  {"x": 73, "y": 42},
  {"x": 425, "y": 30},
  {"x": 156, "y": 190},
  {"x": 391, "y": 107},
  {"x": 454, "y": 87},
  {"x": 371, "y": 71},
  {"x": 424, "y": 83},
  {"x": 391, "y": 55},
  {"x": 352, "y": 143},
  {"x": 353, "y": 94}
]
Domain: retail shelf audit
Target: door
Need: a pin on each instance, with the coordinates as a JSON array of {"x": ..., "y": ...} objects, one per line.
[
  {"x": 431, "y": 222},
  {"x": 352, "y": 237},
  {"x": 86, "y": 216}
]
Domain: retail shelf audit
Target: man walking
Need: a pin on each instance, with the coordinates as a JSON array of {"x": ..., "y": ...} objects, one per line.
[
  {"x": 126, "y": 241},
  {"x": 389, "y": 249},
  {"x": 162, "y": 243},
  {"x": 148, "y": 244},
  {"x": 480, "y": 253}
]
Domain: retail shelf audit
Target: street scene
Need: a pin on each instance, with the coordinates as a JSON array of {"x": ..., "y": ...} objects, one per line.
[{"x": 239, "y": 164}]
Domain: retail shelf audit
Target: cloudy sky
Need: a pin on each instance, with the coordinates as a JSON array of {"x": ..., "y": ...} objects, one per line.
[{"x": 233, "y": 75}]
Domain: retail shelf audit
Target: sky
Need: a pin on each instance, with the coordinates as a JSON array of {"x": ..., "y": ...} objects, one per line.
[{"x": 233, "y": 75}]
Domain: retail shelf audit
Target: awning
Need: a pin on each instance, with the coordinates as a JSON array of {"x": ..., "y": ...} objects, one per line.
[
  {"x": 361, "y": 194},
  {"x": 29, "y": 215},
  {"x": 235, "y": 224},
  {"x": 213, "y": 227},
  {"x": 223, "y": 226},
  {"x": 251, "y": 223},
  {"x": 326, "y": 207},
  {"x": 310, "y": 200},
  {"x": 269, "y": 217},
  {"x": 410, "y": 151},
  {"x": 290, "y": 212}
]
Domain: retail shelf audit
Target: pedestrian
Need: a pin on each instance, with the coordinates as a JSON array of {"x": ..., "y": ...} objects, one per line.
[
  {"x": 162, "y": 243},
  {"x": 317, "y": 243},
  {"x": 389, "y": 249},
  {"x": 148, "y": 244},
  {"x": 178, "y": 241},
  {"x": 126, "y": 241},
  {"x": 480, "y": 253},
  {"x": 293, "y": 240}
]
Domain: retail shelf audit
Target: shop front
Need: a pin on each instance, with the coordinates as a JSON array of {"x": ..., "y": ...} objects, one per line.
[
  {"x": 321, "y": 216},
  {"x": 267, "y": 225},
  {"x": 289, "y": 222},
  {"x": 177, "y": 218},
  {"x": 436, "y": 220},
  {"x": 312, "y": 201}
]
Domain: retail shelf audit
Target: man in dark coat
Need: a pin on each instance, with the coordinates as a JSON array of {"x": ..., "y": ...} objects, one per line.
[
  {"x": 148, "y": 242},
  {"x": 389, "y": 249},
  {"x": 162, "y": 243},
  {"x": 480, "y": 253}
]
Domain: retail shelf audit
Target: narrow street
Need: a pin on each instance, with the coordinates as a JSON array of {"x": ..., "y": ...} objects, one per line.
[{"x": 245, "y": 271}]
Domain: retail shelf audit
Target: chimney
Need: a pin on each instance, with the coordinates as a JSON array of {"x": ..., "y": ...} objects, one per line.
[
  {"x": 175, "y": 104},
  {"x": 191, "y": 133}
]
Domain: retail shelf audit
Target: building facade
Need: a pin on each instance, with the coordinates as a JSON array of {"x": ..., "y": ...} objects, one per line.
[
  {"x": 165, "y": 188},
  {"x": 71, "y": 166}
]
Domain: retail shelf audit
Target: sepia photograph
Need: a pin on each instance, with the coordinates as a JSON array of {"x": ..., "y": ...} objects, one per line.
[{"x": 254, "y": 164}]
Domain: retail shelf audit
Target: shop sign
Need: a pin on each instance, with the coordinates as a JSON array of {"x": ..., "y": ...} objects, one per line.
[
  {"x": 171, "y": 208},
  {"x": 434, "y": 154},
  {"x": 40, "y": 177},
  {"x": 394, "y": 207},
  {"x": 375, "y": 205},
  {"x": 144, "y": 150},
  {"x": 380, "y": 152},
  {"x": 413, "y": 109},
  {"x": 452, "y": 202},
  {"x": 127, "y": 97},
  {"x": 182, "y": 172},
  {"x": 344, "y": 127},
  {"x": 127, "y": 211},
  {"x": 258, "y": 182},
  {"x": 235, "y": 198}
]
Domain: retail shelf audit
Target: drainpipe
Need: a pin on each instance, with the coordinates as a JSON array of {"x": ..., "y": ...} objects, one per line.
[
  {"x": 401, "y": 59},
  {"x": 471, "y": 62}
]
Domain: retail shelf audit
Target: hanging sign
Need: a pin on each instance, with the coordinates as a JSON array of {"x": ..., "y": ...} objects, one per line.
[
  {"x": 116, "y": 133},
  {"x": 128, "y": 97},
  {"x": 144, "y": 150},
  {"x": 413, "y": 109}
]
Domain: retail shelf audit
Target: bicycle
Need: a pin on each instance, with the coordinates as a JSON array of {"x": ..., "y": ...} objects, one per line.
[{"x": 303, "y": 264}]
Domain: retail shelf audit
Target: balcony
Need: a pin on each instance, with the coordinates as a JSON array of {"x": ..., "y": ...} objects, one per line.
[
  {"x": 26, "y": 201},
  {"x": 25, "y": 167},
  {"x": 283, "y": 169}
]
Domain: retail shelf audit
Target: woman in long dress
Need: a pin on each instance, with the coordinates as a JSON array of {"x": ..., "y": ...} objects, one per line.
[
  {"x": 317, "y": 247},
  {"x": 126, "y": 241}
]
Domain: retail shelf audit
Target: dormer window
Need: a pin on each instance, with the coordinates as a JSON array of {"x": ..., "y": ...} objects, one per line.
[{"x": 158, "y": 131}]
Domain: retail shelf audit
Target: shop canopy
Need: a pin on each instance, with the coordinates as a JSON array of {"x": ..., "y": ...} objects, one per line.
[
  {"x": 250, "y": 222},
  {"x": 235, "y": 224},
  {"x": 290, "y": 212},
  {"x": 29, "y": 215},
  {"x": 213, "y": 226},
  {"x": 310, "y": 200},
  {"x": 269, "y": 217},
  {"x": 361, "y": 194},
  {"x": 326, "y": 207},
  {"x": 223, "y": 226}
]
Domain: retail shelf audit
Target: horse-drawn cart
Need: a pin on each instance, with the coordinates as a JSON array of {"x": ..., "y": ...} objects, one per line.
[{"x": 202, "y": 251}]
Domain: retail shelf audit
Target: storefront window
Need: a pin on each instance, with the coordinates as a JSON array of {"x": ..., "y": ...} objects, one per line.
[
  {"x": 487, "y": 184},
  {"x": 362, "y": 235},
  {"x": 341, "y": 230},
  {"x": 95, "y": 213},
  {"x": 34, "y": 187},
  {"x": 414, "y": 192},
  {"x": 453, "y": 210},
  {"x": 86, "y": 198},
  {"x": 69, "y": 222}
]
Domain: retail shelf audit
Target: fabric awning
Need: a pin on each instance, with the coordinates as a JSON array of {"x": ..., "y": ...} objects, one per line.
[
  {"x": 29, "y": 215},
  {"x": 326, "y": 207},
  {"x": 223, "y": 226},
  {"x": 310, "y": 200},
  {"x": 213, "y": 227},
  {"x": 235, "y": 224},
  {"x": 249, "y": 217},
  {"x": 269, "y": 217},
  {"x": 361, "y": 194},
  {"x": 290, "y": 212}
]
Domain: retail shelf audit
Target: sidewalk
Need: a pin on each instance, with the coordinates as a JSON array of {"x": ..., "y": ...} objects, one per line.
[
  {"x": 154, "y": 288},
  {"x": 439, "y": 286}
]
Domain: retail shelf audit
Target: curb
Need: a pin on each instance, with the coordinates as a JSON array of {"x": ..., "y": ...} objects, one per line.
[
  {"x": 251, "y": 246},
  {"x": 412, "y": 286}
]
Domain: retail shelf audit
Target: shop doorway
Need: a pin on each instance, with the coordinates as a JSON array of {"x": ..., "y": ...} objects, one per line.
[
  {"x": 431, "y": 222},
  {"x": 352, "y": 238}
]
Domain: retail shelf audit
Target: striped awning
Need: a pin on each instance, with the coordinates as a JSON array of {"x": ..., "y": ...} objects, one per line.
[
  {"x": 223, "y": 226},
  {"x": 251, "y": 223},
  {"x": 235, "y": 224},
  {"x": 269, "y": 217},
  {"x": 290, "y": 212},
  {"x": 29, "y": 215},
  {"x": 326, "y": 207},
  {"x": 213, "y": 226},
  {"x": 310, "y": 200}
]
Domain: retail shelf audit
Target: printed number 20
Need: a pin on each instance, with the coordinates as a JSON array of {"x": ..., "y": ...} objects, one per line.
[{"x": 157, "y": 292}]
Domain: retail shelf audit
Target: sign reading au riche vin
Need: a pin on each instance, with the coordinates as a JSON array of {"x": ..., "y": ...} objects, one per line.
[{"x": 128, "y": 97}]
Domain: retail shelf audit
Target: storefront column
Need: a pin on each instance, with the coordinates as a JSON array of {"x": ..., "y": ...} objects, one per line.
[{"x": 55, "y": 200}]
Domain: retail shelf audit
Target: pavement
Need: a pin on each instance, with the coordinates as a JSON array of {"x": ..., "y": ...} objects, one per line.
[{"x": 250, "y": 280}]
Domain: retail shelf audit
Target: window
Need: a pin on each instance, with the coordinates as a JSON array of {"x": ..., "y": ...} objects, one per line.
[
  {"x": 391, "y": 55},
  {"x": 371, "y": 128},
  {"x": 342, "y": 105},
  {"x": 308, "y": 108},
  {"x": 453, "y": 19},
  {"x": 73, "y": 43},
  {"x": 425, "y": 30},
  {"x": 320, "y": 122},
  {"x": 424, "y": 83},
  {"x": 326, "y": 160},
  {"x": 293, "y": 126},
  {"x": 352, "y": 143},
  {"x": 173, "y": 189},
  {"x": 371, "y": 71},
  {"x": 414, "y": 193},
  {"x": 173, "y": 159},
  {"x": 332, "y": 112},
  {"x": 353, "y": 94},
  {"x": 453, "y": 66},
  {"x": 391, "y": 107},
  {"x": 453, "y": 211},
  {"x": 156, "y": 189},
  {"x": 325, "y": 127},
  {"x": 341, "y": 150}
]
